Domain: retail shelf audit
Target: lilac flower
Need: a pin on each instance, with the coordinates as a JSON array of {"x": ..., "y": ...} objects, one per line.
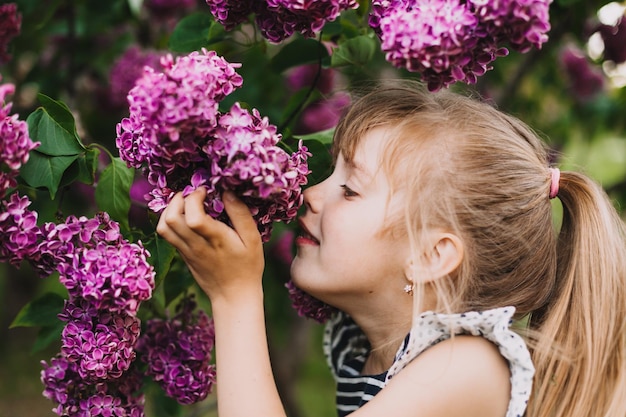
[
  {"x": 61, "y": 240},
  {"x": 522, "y": 23},
  {"x": 19, "y": 233},
  {"x": 304, "y": 76},
  {"x": 309, "y": 306},
  {"x": 585, "y": 80},
  {"x": 167, "y": 7},
  {"x": 177, "y": 134},
  {"x": 101, "y": 344},
  {"x": 113, "y": 277},
  {"x": 282, "y": 18},
  {"x": 438, "y": 39},
  {"x": 10, "y": 26},
  {"x": 169, "y": 110},
  {"x": 178, "y": 354},
  {"x": 614, "y": 37},
  {"x": 15, "y": 142},
  {"x": 125, "y": 71},
  {"x": 452, "y": 40},
  {"x": 72, "y": 396},
  {"x": 230, "y": 13},
  {"x": 323, "y": 114}
]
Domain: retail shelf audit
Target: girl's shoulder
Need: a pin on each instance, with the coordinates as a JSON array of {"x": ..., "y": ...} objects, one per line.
[
  {"x": 343, "y": 342},
  {"x": 493, "y": 325}
]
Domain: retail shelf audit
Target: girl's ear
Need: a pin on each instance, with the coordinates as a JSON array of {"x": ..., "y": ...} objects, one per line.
[{"x": 445, "y": 256}]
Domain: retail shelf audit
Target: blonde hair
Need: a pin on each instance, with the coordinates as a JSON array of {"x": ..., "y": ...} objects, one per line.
[{"x": 483, "y": 175}]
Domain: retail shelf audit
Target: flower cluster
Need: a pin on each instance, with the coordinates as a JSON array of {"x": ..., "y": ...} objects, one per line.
[
  {"x": 125, "y": 71},
  {"x": 308, "y": 306},
  {"x": 585, "y": 80},
  {"x": 15, "y": 142},
  {"x": 107, "y": 278},
  {"x": 74, "y": 397},
  {"x": 176, "y": 132},
  {"x": 19, "y": 233},
  {"x": 452, "y": 40},
  {"x": 279, "y": 19},
  {"x": 10, "y": 26},
  {"x": 178, "y": 353}
]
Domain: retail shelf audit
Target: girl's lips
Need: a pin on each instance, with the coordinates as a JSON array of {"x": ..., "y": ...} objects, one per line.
[{"x": 305, "y": 237}]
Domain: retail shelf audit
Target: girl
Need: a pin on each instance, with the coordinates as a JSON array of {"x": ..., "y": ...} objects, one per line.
[{"x": 433, "y": 232}]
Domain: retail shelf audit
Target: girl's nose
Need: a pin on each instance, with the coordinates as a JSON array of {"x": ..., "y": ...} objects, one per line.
[{"x": 312, "y": 198}]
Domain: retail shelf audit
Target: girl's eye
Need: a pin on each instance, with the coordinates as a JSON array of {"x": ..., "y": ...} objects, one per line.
[{"x": 348, "y": 192}]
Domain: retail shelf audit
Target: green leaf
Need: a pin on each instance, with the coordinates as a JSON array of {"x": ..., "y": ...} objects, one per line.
[
  {"x": 53, "y": 125},
  {"x": 299, "y": 52},
  {"x": 297, "y": 102},
  {"x": 195, "y": 32},
  {"x": 113, "y": 191},
  {"x": 324, "y": 136},
  {"x": 175, "y": 284},
  {"x": 88, "y": 165},
  {"x": 47, "y": 335},
  {"x": 357, "y": 51},
  {"x": 161, "y": 256},
  {"x": 320, "y": 163},
  {"x": 40, "y": 312},
  {"x": 46, "y": 171}
]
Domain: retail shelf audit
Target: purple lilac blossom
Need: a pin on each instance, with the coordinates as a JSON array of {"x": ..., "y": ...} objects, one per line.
[
  {"x": 165, "y": 8},
  {"x": 304, "y": 76},
  {"x": 19, "y": 233},
  {"x": 438, "y": 39},
  {"x": 308, "y": 306},
  {"x": 282, "y": 18},
  {"x": 230, "y": 13},
  {"x": 10, "y": 26},
  {"x": 452, "y": 40},
  {"x": 61, "y": 240},
  {"x": 127, "y": 69},
  {"x": 614, "y": 38},
  {"x": 585, "y": 79},
  {"x": 15, "y": 141},
  {"x": 323, "y": 114},
  {"x": 177, "y": 134},
  {"x": 178, "y": 354},
  {"x": 100, "y": 343},
  {"x": 73, "y": 397},
  {"x": 522, "y": 23}
]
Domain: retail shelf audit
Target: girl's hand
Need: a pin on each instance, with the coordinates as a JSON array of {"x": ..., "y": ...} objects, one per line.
[{"x": 226, "y": 262}]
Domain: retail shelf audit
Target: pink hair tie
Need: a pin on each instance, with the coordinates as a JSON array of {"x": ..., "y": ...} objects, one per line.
[{"x": 554, "y": 183}]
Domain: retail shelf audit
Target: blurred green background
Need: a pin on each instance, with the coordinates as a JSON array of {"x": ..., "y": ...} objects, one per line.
[{"x": 86, "y": 53}]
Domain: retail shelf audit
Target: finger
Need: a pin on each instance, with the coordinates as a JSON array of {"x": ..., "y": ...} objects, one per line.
[
  {"x": 169, "y": 224},
  {"x": 196, "y": 217},
  {"x": 241, "y": 218}
]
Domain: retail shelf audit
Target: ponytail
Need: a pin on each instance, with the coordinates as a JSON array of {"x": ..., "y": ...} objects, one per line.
[{"x": 585, "y": 323}]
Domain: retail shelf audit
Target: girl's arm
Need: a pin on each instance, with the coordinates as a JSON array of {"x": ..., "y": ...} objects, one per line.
[{"x": 228, "y": 265}]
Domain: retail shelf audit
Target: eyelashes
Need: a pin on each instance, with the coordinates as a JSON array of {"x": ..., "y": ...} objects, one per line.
[{"x": 348, "y": 192}]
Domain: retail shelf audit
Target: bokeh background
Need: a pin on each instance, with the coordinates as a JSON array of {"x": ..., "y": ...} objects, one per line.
[{"x": 88, "y": 53}]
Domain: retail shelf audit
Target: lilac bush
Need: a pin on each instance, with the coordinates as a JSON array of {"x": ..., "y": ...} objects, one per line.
[
  {"x": 452, "y": 40},
  {"x": 308, "y": 306},
  {"x": 10, "y": 25},
  {"x": 178, "y": 353},
  {"x": 279, "y": 19},
  {"x": 176, "y": 132},
  {"x": 74, "y": 397},
  {"x": 19, "y": 233},
  {"x": 126, "y": 69},
  {"x": 15, "y": 142}
]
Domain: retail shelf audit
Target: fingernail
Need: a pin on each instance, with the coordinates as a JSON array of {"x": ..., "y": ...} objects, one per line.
[{"x": 229, "y": 196}]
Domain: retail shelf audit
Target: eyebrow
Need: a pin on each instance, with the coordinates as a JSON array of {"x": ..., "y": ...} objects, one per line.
[{"x": 360, "y": 169}]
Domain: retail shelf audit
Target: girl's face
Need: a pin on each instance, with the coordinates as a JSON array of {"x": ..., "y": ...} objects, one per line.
[{"x": 343, "y": 257}]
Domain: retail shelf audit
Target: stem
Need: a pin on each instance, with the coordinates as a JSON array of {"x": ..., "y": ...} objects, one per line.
[{"x": 312, "y": 87}]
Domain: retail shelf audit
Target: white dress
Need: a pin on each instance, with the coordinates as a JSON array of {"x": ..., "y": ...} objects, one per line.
[{"x": 346, "y": 350}]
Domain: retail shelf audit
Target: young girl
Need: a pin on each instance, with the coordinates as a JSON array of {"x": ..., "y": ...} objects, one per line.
[{"x": 432, "y": 234}]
